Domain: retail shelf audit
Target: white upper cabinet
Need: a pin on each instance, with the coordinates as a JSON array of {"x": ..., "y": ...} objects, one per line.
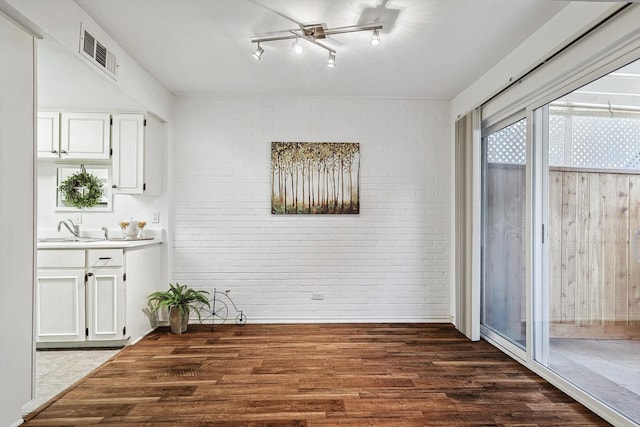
[
  {"x": 74, "y": 135},
  {"x": 153, "y": 149},
  {"x": 133, "y": 142},
  {"x": 48, "y": 135},
  {"x": 128, "y": 153},
  {"x": 85, "y": 135},
  {"x": 137, "y": 154}
]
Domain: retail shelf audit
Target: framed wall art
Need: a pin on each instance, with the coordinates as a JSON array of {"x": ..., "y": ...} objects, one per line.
[{"x": 315, "y": 178}]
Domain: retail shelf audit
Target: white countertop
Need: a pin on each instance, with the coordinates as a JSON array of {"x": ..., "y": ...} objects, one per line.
[
  {"x": 155, "y": 237},
  {"x": 99, "y": 244}
]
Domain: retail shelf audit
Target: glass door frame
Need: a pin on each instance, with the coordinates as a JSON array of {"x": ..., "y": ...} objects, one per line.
[
  {"x": 538, "y": 262},
  {"x": 486, "y": 332}
]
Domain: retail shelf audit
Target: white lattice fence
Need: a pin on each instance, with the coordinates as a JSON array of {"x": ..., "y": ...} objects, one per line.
[{"x": 580, "y": 140}]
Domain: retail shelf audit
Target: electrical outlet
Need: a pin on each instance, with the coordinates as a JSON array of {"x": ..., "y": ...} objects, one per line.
[
  {"x": 156, "y": 217},
  {"x": 317, "y": 296}
]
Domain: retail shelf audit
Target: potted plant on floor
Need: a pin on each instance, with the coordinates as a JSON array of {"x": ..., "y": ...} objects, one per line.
[{"x": 179, "y": 301}]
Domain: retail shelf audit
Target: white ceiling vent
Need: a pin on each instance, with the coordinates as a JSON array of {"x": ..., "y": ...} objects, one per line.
[{"x": 97, "y": 53}]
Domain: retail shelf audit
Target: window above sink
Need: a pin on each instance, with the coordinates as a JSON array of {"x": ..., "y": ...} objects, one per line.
[{"x": 103, "y": 172}]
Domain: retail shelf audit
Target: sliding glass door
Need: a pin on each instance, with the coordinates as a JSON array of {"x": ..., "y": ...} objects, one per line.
[
  {"x": 587, "y": 302},
  {"x": 503, "y": 309}
]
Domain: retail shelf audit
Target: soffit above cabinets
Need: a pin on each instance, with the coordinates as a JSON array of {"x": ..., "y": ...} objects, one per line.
[{"x": 66, "y": 82}]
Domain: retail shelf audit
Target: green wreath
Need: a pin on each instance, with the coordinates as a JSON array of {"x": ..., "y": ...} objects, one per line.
[{"x": 82, "y": 189}]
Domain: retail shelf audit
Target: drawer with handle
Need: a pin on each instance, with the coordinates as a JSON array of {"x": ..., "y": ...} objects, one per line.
[{"x": 105, "y": 258}]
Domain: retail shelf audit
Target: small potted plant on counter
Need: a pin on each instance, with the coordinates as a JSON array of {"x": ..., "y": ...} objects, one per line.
[{"x": 179, "y": 300}]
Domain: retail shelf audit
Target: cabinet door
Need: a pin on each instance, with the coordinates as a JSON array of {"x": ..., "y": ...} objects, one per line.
[
  {"x": 60, "y": 305},
  {"x": 48, "y": 135},
  {"x": 105, "y": 304},
  {"x": 154, "y": 143},
  {"x": 143, "y": 278},
  {"x": 85, "y": 135},
  {"x": 128, "y": 153}
]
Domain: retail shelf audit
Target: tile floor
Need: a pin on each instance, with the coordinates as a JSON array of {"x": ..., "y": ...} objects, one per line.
[
  {"x": 607, "y": 369},
  {"x": 58, "y": 369}
]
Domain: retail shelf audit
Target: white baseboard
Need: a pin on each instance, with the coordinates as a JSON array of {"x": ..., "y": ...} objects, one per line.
[{"x": 443, "y": 319}]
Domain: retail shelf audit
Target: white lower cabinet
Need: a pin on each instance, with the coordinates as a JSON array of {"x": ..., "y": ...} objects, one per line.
[
  {"x": 80, "y": 296},
  {"x": 105, "y": 295},
  {"x": 60, "y": 305}
]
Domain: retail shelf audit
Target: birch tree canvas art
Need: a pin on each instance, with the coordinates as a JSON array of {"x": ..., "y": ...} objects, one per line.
[{"x": 315, "y": 178}]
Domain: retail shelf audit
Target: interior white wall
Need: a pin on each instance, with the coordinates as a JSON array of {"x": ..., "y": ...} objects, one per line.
[
  {"x": 66, "y": 82},
  {"x": 17, "y": 217},
  {"x": 389, "y": 263}
]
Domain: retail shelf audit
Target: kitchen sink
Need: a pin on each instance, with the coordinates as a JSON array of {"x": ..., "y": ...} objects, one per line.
[
  {"x": 129, "y": 239},
  {"x": 70, "y": 239}
]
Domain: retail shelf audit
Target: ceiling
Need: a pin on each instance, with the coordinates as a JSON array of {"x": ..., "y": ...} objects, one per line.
[
  {"x": 428, "y": 49},
  {"x": 620, "y": 88}
]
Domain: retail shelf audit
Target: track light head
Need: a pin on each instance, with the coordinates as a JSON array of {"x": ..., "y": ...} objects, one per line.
[
  {"x": 375, "y": 38},
  {"x": 331, "y": 62},
  {"x": 297, "y": 47},
  {"x": 257, "y": 54}
]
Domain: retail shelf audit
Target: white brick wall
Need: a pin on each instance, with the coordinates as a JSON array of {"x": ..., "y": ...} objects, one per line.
[{"x": 389, "y": 263}]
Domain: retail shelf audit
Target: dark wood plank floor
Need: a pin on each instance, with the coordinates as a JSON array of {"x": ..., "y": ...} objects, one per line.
[{"x": 313, "y": 375}]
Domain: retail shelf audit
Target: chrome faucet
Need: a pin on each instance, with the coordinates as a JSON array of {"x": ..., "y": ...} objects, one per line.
[
  {"x": 74, "y": 229},
  {"x": 106, "y": 232}
]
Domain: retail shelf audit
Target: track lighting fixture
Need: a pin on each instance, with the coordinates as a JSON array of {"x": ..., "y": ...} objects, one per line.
[
  {"x": 313, "y": 33},
  {"x": 258, "y": 53},
  {"x": 331, "y": 62},
  {"x": 375, "y": 38}
]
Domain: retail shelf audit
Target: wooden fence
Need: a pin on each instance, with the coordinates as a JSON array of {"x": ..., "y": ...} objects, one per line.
[
  {"x": 504, "y": 249},
  {"x": 594, "y": 270}
]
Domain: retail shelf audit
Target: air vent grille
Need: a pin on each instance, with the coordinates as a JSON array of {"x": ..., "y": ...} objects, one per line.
[
  {"x": 89, "y": 43},
  {"x": 111, "y": 63},
  {"x": 101, "y": 54},
  {"x": 98, "y": 53}
]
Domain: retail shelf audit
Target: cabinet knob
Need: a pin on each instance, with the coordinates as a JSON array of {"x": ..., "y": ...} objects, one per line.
[
  {"x": 54, "y": 151},
  {"x": 114, "y": 186},
  {"x": 63, "y": 151},
  {"x": 90, "y": 274}
]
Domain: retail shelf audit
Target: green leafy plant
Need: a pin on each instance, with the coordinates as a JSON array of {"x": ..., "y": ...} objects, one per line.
[
  {"x": 181, "y": 297},
  {"x": 82, "y": 189}
]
